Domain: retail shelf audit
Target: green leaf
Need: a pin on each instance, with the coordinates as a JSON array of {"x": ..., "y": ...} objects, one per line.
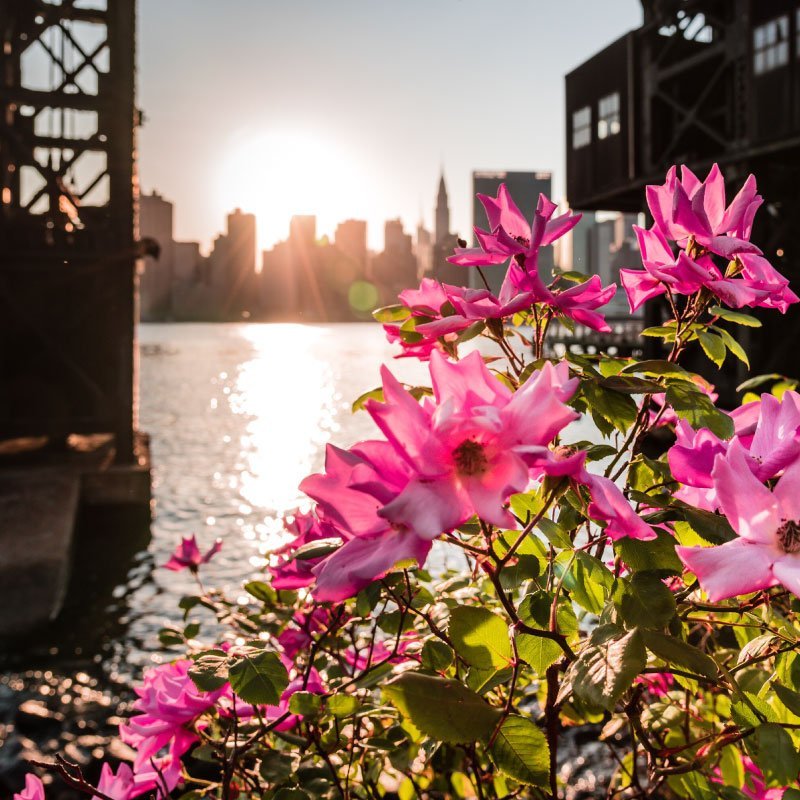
[
  {"x": 713, "y": 347},
  {"x": 658, "y": 368},
  {"x": 572, "y": 275},
  {"x": 555, "y": 534},
  {"x": 597, "y": 452},
  {"x": 694, "y": 786},
  {"x": 616, "y": 408},
  {"x": 436, "y": 656},
  {"x": 441, "y": 708},
  {"x": 759, "y": 380},
  {"x": 480, "y": 637},
  {"x": 306, "y": 703},
  {"x": 646, "y": 602},
  {"x": 731, "y": 767},
  {"x": 538, "y": 652},
  {"x": 788, "y": 697},
  {"x": 735, "y": 316},
  {"x": 395, "y": 313},
  {"x": 520, "y": 751},
  {"x": 317, "y": 549},
  {"x": 680, "y": 654},
  {"x": 534, "y": 610},
  {"x": 169, "y": 637},
  {"x": 712, "y": 527},
  {"x": 259, "y": 677},
  {"x": 210, "y": 670},
  {"x": 474, "y": 330},
  {"x": 697, "y": 409},
  {"x": 261, "y": 591},
  {"x": 372, "y": 394},
  {"x": 657, "y": 555},
  {"x": 343, "y": 705},
  {"x": 657, "y": 331},
  {"x": 733, "y": 345},
  {"x": 776, "y": 755},
  {"x": 276, "y": 766},
  {"x": 484, "y": 680},
  {"x": 629, "y": 384},
  {"x": 589, "y": 582},
  {"x": 607, "y": 665},
  {"x": 753, "y": 712}
]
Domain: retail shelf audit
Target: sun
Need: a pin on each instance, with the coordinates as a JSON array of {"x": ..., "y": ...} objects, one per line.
[{"x": 279, "y": 173}]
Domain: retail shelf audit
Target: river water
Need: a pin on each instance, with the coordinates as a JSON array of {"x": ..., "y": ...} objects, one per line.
[{"x": 238, "y": 415}]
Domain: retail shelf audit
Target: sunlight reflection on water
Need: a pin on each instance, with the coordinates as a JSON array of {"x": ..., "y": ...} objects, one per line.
[
  {"x": 287, "y": 392},
  {"x": 238, "y": 415}
]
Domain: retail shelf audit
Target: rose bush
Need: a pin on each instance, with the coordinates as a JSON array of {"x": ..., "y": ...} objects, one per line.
[{"x": 650, "y": 593}]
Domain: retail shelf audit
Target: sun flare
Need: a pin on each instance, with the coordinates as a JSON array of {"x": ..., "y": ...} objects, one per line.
[{"x": 278, "y": 174}]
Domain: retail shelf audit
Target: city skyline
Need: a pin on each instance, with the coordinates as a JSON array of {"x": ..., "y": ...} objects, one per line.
[
  {"x": 337, "y": 87},
  {"x": 313, "y": 277}
]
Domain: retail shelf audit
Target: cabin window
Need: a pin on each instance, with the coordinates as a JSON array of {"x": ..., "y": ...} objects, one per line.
[
  {"x": 581, "y": 127},
  {"x": 771, "y": 45},
  {"x": 608, "y": 122}
]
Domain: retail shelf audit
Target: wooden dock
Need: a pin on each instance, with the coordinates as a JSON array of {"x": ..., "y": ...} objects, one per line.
[{"x": 42, "y": 492}]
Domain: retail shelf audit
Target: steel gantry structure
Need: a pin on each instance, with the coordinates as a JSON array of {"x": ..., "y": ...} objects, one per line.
[
  {"x": 701, "y": 81},
  {"x": 68, "y": 238}
]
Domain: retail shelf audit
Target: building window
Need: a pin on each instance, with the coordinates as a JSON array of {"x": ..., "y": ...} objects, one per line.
[
  {"x": 608, "y": 116},
  {"x": 581, "y": 127},
  {"x": 771, "y": 45}
]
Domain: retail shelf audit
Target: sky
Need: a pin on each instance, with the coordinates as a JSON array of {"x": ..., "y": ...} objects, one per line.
[{"x": 350, "y": 108}]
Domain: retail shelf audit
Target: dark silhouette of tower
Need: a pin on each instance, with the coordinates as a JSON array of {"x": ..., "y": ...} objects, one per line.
[
  {"x": 68, "y": 247},
  {"x": 442, "y": 228}
]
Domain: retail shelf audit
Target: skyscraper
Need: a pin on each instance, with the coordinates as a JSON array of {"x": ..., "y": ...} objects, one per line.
[
  {"x": 351, "y": 242},
  {"x": 155, "y": 281},
  {"x": 525, "y": 188},
  {"x": 442, "y": 227}
]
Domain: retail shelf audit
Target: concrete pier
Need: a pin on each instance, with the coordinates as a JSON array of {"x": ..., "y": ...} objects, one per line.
[{"x": 42, "y": 491}]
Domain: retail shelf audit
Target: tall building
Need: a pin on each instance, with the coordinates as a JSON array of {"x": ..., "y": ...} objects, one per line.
[
  {"x": 423, "y": 250},
  {"x": 232, "y": 266},
  {"x": 351, "y": 242},
  {"x": 395, "y": 268},
  {"x": 241, "y": 269},
  {"x": 525, "y": 188},
  {"x": 155, "y": 280},
  {"x": 442, "y": 227},
  {"x": 278, "y": 283},
  {"x": 303, "y": 228},
  {"x": 304, "y": 264},
  {"x": 602, "y": 244}
]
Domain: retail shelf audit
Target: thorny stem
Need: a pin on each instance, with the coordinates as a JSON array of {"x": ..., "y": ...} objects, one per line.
[{"x": 72, "y": 775}]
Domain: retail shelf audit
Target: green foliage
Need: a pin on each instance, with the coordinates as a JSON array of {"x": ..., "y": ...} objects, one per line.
[
  {"x": 646, "y": 602},
  {"x": 521, "y": 751},
  {"x": 480, "y": 637},
  {"x": 258, "y": 677},
  {"x": 657, "y": 556},
  {"x": 607, "y": 665},
  {"x": 674, "y": 651},
  {"x": 441, "y": 708},
  {"x": 697, "y": 409}
]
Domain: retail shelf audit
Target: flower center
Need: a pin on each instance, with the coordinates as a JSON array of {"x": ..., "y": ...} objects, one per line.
[
  {"x": 470, "y": 458},
  {"x": 789, "y": 536}
]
